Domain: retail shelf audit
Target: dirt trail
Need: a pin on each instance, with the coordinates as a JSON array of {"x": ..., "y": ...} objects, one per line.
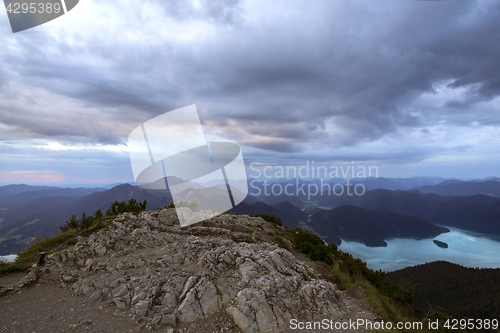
[{"x": 46, "y": 307}]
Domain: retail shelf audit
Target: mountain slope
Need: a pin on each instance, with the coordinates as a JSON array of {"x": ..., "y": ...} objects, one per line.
[
  {"x": 10, "y": 200},
  {"x": 288, "y": 213},
  {"x": 212, "y": 198},
  {"x": 457, "y": 188},
  {"x": 372, "y": 227},
  {"x": 277, "y": 199},
  {"x": 393, "y": 184},
  {"x": 379, "y": 183},
  {"x": 43, "y": 216},
  {"x": 20, "y": 188},
  {"x": 477, "y": 213},
  {"x": 461, "y": 292}
]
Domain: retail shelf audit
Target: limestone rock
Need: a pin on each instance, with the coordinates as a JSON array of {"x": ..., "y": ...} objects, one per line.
[
  {"x": 168, "y": 217},
  {"x": 165, "y": 274}
]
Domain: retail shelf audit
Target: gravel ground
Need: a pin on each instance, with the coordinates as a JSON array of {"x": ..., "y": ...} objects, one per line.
[{"x": 46, "y": 307}]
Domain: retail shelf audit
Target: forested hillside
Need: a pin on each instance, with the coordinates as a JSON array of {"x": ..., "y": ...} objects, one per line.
[{"x": 461, "y": 292}]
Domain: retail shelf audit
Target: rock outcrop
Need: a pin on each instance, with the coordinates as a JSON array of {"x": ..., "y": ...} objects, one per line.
[{"x": 166, "y": 276}]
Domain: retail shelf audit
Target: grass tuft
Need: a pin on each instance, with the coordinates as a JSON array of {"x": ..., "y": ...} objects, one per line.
[{"x": 49, "y": 245}]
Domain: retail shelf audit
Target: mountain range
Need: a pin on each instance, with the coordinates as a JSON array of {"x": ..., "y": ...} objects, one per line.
[
  {"x": 372, "y": 227},
  {"x": 380, "y": 214},
  {"x": 20, "y": 222},
  {"x": 476, "y": 213},
  {"x": 29, "y": 193},
  {"x": 461, "y": 188},
  {"x": 290, "y": 215}
]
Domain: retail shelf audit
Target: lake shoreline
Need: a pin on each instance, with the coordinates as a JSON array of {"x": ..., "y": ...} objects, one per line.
[{"x": 464, "y": 248}]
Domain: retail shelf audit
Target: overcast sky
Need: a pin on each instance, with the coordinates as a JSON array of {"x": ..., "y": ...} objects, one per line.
[{"x": 409, "y": 86}]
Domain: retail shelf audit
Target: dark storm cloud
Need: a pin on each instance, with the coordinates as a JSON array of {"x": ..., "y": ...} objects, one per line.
[
  {"x": 279, "y": 80},
  {"x": 220, "y": 11}
]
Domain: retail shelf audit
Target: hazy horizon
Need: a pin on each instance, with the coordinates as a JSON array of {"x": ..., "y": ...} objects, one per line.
[{"x": 95, "y": 185}]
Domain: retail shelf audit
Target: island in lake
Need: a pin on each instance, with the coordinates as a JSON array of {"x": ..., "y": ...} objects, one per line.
[{"x": 440, "y": 244}]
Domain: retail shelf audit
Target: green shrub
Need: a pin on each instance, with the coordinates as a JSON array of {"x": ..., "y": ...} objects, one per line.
[
  {"x": 312, "y": 245},
  {"x": 121, "y": 207},
  {"x": 31, "y": 255},
  {"x": 82, "y": 223},
  {"x": 281, "y": 242},
  {"x": 84, "y": 226},
  {"x": 270, "y": 218},
  {"x": 193, "y": 205},
  {"x": 350, "y": 271},
  {"x": 72, "y": 241}
]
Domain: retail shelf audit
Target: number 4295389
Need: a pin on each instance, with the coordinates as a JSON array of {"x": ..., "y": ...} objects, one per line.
[
  {"x": 471, "y": 324},
  {"x": 40, "y": 8}
]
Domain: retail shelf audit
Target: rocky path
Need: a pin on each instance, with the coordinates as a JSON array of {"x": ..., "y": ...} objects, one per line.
[
  {"x": 147, "y": 273},
  {"x": 46, "y": 307}
]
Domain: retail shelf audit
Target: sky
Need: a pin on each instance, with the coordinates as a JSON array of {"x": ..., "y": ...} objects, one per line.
[{"x": 411, "y": 87}]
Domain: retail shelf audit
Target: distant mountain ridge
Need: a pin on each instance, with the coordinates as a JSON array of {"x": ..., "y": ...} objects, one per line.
[
  {"x": 288, "y": 213},
  {"x": 371, "y": 227},
  {"x": 29, "y": 211},
  {"x": 461, "y": 188},
  {"x": 20, "y": 188},
  {"x": 477, "y": 213},
  {"x": 270, "y": 190},
  {"x": 394, "y": 184},
  {"x": 277, "y": 199},
  {"x": 10, "y": 200},
  {"x": 212, "y": 198},
  {"x": 43, "y": 216}
]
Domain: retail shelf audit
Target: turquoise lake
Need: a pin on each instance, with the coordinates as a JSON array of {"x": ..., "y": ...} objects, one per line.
[{"x": 464, "y": 248}]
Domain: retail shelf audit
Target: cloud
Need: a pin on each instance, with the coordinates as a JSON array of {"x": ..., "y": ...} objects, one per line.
[
  {"x": 39, "y": 176},
  {"x": 284, "y": 79}
]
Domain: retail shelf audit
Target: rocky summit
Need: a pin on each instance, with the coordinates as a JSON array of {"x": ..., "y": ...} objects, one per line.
[{"x": 225, "y": 274}]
